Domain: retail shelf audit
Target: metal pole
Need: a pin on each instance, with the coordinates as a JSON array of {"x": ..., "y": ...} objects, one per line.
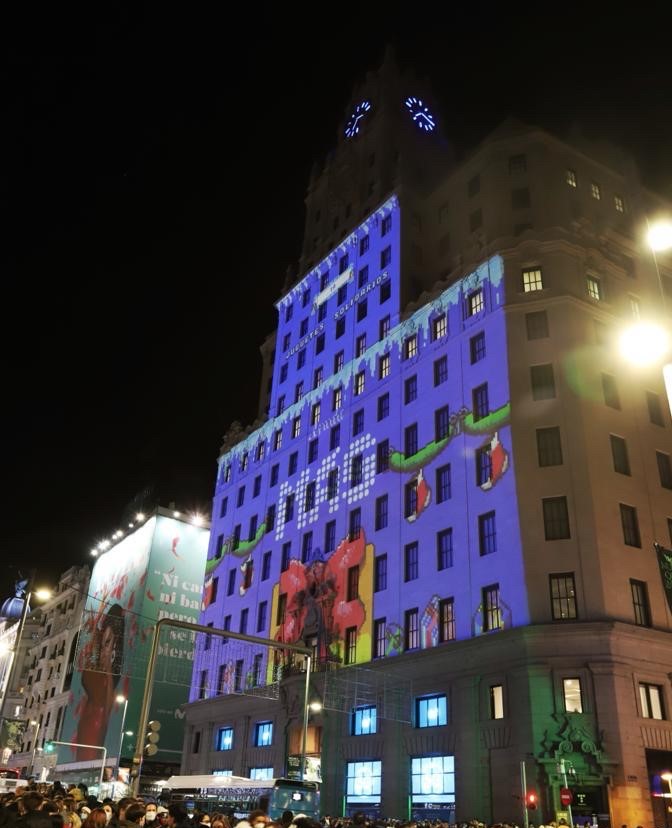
[
  {"x": 306, "y": 693},
  {"x": 564, "y": 782},
  {"x": 32, "y": 758},
  {"x": 523, "y": 786},
  {"x": 121, "y": 740},
  {"x": 151, "y": 666},
  {"x": 17, "y": 644}
]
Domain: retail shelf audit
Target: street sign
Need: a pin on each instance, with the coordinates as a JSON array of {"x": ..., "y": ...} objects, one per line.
[{"x": 565, "y": 797}]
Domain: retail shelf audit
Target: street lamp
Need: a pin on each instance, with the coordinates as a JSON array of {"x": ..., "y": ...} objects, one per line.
[
  {"x": 120, "y": 700},
  {"x": 41, "y": 595},
  {"x": 648, "y": 343}
]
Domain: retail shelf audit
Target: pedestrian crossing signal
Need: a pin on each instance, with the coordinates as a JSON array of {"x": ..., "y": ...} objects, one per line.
[{"x": 531, "y": 801}]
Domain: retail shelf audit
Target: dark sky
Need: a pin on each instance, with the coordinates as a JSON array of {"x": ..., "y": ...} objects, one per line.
[{"x": 155, "y": 176}]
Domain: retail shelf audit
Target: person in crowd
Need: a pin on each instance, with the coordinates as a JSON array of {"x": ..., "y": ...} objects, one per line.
[
  {"x": 150, "y": 812},
  {"x": 287, "y": 818},
  {"x": 134, "y": 815},
  {"x": 96, "y": 819},
  {"x": 177, "y": 816},
  {"x": 32, "y": 815}
]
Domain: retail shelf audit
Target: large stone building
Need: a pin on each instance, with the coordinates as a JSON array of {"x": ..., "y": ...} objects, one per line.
[
  {"x": 46, "y": 680},
  {"x": 455, "y": 494}
]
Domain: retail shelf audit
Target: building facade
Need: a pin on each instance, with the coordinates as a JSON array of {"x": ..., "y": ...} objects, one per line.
[
  {"x": 454, "y": 497},
  {"x": 46, "y": 683}
]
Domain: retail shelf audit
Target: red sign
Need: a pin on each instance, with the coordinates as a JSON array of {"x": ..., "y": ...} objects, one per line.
[{"x": 565, "y": 796}]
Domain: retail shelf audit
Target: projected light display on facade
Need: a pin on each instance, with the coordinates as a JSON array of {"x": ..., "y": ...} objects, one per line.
[{"x": 374, "y": 418}]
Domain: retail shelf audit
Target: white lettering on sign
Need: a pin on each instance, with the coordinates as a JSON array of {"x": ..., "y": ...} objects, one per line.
[
  {"x": 305, "y": 340},
  {"x": 329, "y": 291},
  {"x": 360, "y": 295}
]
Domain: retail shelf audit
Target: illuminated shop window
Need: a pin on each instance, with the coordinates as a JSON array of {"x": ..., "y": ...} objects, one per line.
[
  {"x": 572, "y": 695},
  {"x": 263, "y": 734},
  {"x": 261, "y": 773},
  {"x": 594, "y": 288},
  {"x": 432, "y": 781},
  {"x": 363, "y": 782},
  {"x": 532, "y": 279},
  {"x": 224, "y": 738},
  {"x": 570, "y": 178},
  {"x": 363, "y": 721},
  {"x": 431, "y": 711},
  {"x": 595, "y": 191}
]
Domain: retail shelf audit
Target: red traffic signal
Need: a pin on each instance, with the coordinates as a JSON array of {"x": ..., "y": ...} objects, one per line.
[{"x": 531, "y": 800}]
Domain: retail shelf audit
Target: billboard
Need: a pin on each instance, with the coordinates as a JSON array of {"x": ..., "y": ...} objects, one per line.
[{"x": 155, "y": 572}]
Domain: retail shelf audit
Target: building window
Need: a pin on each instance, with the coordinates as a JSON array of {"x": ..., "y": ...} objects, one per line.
[
  {"x": 411, "y": 440},
  {"x": 440, "y": 370},
  {"x": 362, "y": 309},
  {"x": 359, "y": 383},
  {"x": 640, "y": 603},
  {"x": 266, "y": 566},
  {"x": 383, "y": 406},
  {"x": 337, "y": 398},
  {"x": 312, "y": 450},
  {"x": 301, "y": 358},
  {"x": 384, "y": 366},
  {"x": 410, "y": 389},
  {"x": 619, "y": 204},
  {"x": 431, "y": 711},
  {"x": 244, "y": 615},
  {"x": 475, "y": 303},
  {"x": 595, "y": 191},
  {"x": 195, "y": 745},
  {"x": 318, "y": 376},
  {"x": 543, "y": 382},
  {"x": 386, "y": 225},
  {"x": 487, "y": 534},
  {"x": 362, "y": 783},
  {"x": 270, "y": 517},
  {"x": 556, "y": 518},
  {"x": 379, "y": 637},
  {"x": 254, "y": 520},
  {"x": 342, "y": 294},
  {"x": 224, "y": 739},
  {"x": 549, "y": 446},
  {"x": 432, "y": 782},
  {"x": 496, "y": 701},
  {"x": 309, "y": 502},
  {"x": 363, "y": 721},
  {"x": 443, "y": 484},
  {"x": 380, "y": 574},
  {"x": 655, "y": 410},
  {"x": 492, "y": 613},
  {"x": 411, "y": 561},
  {"x": 339, "y": 361},
  {"x": 289, "y": 310},
  {"x": 572, "y": 695},
  {"x": 651, "y": 698},
  {"x": 439, "y": 326},
  {"x": 664, "y": 469},
  {"x": 383, "y": 327},
  {"x": 532, "y": 280},
  {"x": 283, "y": 372},
  {"x": 286, "y": 554},
  {"x": 360, "y": 345},
  {"x": 332, "y": 484},
  {"x": 630, "y": 525},
  {"x": 385, "y": 293},
  {"x": 446, "y": 620},
  {"x": 330, "y": 536},
  {"x": 315, "y": 414},
  {"x": 537, "y": 325},
  {"x": 305, "y": 296},
  {"x": 351, "y": 645},
  {"x": 483, "y": 459},
  {"x": 477, "y": 347},
  {"x": 241, "y": 496},
  {"x": 382, "y": 456},
  {"x": 411, "y": 346},
  {"x": 411, "y": 630},
  {"x": 381, "y": 512},
  {"x": 263, "y": 734},
  {"x": 296, "y": 427},
  {"x": 203, "y": 686},
  {"x": 619, "y": 454},
  {"x": 257, "y": 484},
  {"x": 517, "y": 164},
  {"x": 563, "y": 596},
  {"x": 282, "y": 607},
  {"x": 343, "y": 264},
  {"x": 340, "y": 327},
  {"x": 356, "y": 470},
  {"x": 610, "y": 391},
  {"x": 480, "y": 404},
  {"x": 594, "y": 288},
  {"x": 444, "y": 549},
  {"x": 306, "y": 547},
  {"x": 385, "y": 257},
  {"x": 354, "y": 524},
  {"x": 363, "y": 244},
  {"x": 231, "y": 583},
  {"x": 261, "y": 773},
  {"x": 293, "y": 463},
  {"x": 441, "y": 423},
  {"x": 358, "y": 422},
  {"x": 277, "y": 440},
  {"x": 570, "y": 178}
]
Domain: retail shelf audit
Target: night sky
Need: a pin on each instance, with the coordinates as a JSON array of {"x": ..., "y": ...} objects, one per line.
[{"x": 155, "y": 177}]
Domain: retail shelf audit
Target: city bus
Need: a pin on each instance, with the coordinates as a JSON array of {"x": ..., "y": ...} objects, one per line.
[{"x": 238, "y": 796}]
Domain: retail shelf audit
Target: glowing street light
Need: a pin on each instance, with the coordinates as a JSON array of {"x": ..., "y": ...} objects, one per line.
[{"x": 659, "y": 235}]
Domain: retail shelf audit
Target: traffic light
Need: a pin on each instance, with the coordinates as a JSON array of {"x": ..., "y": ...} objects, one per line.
[
  {"x": 531, "y": 801},
  {"x": 49, "y": 747},
  {"x": 152, "y": 738}
]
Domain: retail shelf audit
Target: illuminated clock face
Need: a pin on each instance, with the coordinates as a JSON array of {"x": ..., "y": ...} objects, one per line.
[
  {"x": 355, "y": 121},
  {"x": 420, "y": 114}
]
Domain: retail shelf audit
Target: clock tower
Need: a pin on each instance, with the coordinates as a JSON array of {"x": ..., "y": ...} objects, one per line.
[{"x": 390, "y": 140}]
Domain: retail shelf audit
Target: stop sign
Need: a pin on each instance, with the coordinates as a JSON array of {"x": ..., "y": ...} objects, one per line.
[{"x": 565, "y": 796}]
